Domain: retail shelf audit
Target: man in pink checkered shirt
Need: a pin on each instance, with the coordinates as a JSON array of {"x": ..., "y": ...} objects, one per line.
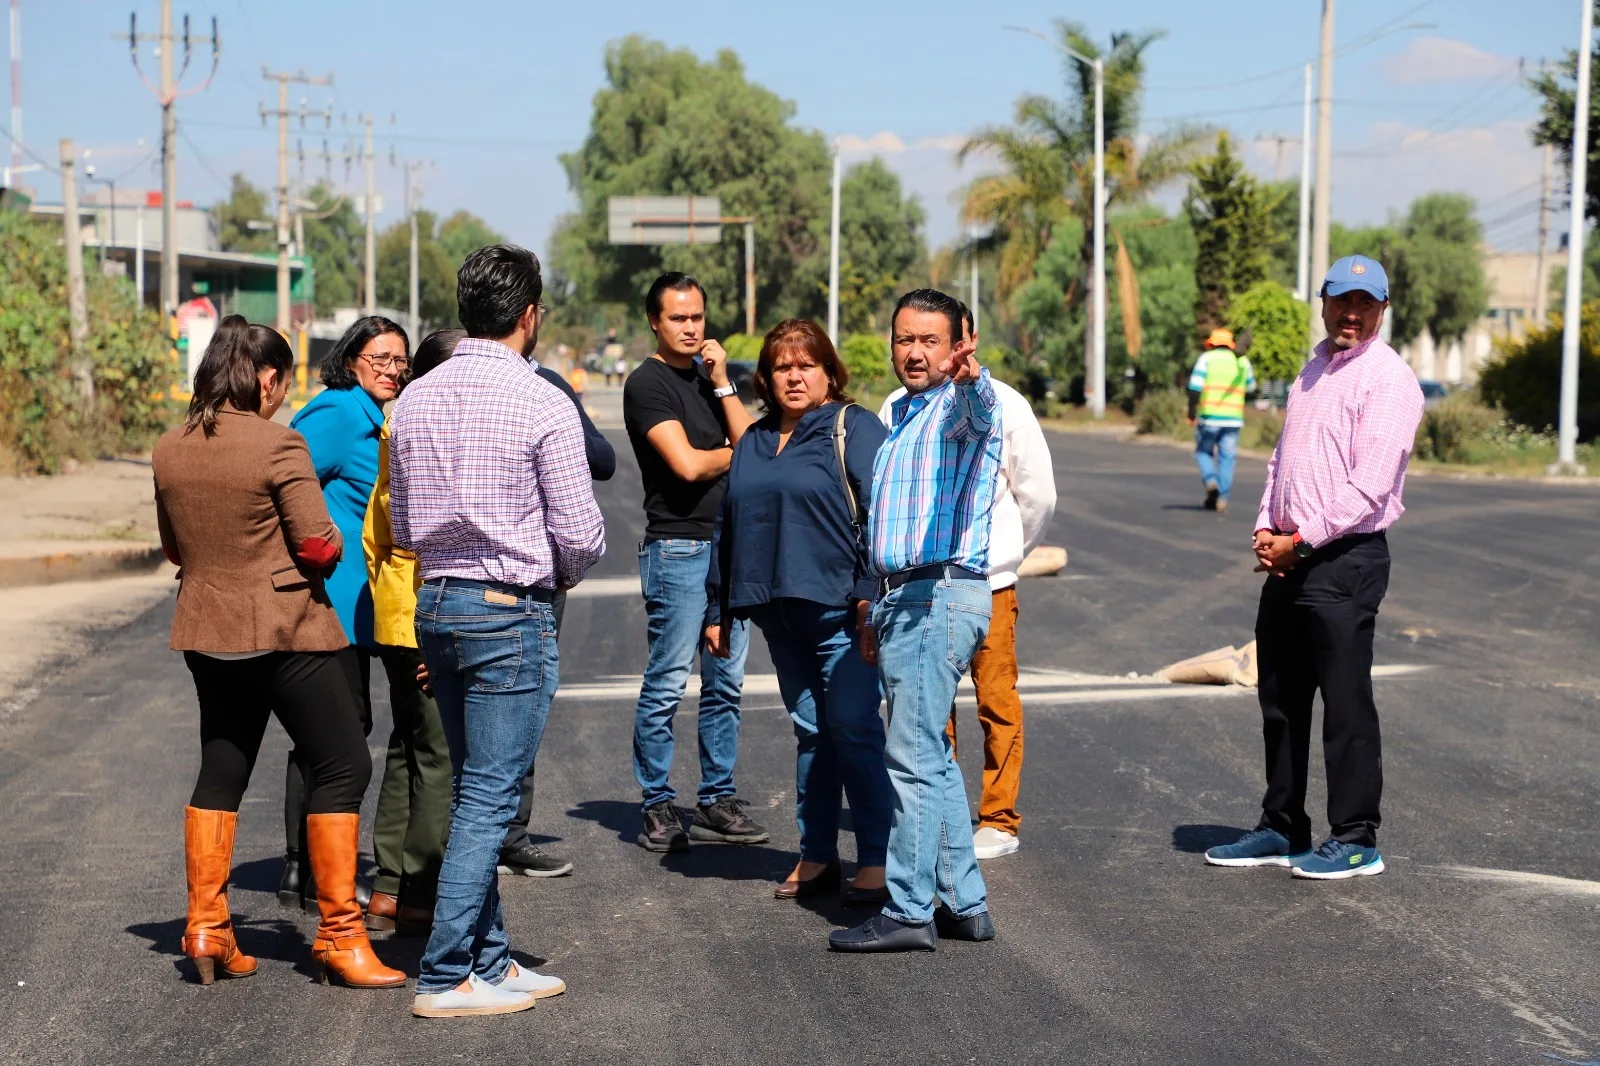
[{"x": 1333, "y": 487}]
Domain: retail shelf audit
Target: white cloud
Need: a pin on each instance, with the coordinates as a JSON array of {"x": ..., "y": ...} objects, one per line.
[
  {"x": 1432, "y": 60},
  {"x": 927, "y": 169}
]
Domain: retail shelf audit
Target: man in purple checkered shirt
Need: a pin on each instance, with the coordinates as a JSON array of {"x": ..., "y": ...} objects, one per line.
[{"x": 489, "y": 486}]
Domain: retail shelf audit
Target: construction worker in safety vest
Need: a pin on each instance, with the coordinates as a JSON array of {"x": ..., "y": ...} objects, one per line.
[{"x": 1217, "y": 389}]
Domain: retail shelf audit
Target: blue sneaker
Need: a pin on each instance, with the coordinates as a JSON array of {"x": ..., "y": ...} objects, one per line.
[
  {"x": 1259, "y": 847},
  {"x": 1335, "y": 860}
]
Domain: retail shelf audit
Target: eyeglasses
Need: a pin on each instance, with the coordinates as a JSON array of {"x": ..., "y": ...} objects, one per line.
[{"x": 388, "y": 362}]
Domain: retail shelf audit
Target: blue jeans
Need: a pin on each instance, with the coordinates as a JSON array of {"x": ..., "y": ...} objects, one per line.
[
  {"x": 928, "y": 632},
  {"x": 1224, "y": 441},
  {"x": 832, "y": 696},
  {"x": 494, "y": 671},
  {"x": 672, "y": 574}
]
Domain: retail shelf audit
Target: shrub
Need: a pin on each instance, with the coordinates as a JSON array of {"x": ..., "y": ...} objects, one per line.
[
  {"x": 866, "y": 356},
  {"x": 1262, "y": 432},
  {"x": 742, "y": 347},
  {"x": 1279, "y": 327},
  {"x": 1451, "y": 427},
  {"x": 1163, "y": 411},
  {"x": 1524, "y": 377}
]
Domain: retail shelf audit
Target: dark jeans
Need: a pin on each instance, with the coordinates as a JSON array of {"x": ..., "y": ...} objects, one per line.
[
  {"x": 413, "y": 819},
  {"x": 517, "y": 832},
  {"x": 311, "y": 697},
  {"x": 355, "y": 664},
  {"x": 1314, "y": 632}
]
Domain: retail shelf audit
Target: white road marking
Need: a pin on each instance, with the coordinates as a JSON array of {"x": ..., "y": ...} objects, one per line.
[
  {"x": 1040, "y": 687},
  {"x": 1518, "y": 878},
  {"x": 597, "y": 587}
]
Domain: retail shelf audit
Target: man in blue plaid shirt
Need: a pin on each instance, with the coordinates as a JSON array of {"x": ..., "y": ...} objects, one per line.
[{"x": 933, "y": 488}]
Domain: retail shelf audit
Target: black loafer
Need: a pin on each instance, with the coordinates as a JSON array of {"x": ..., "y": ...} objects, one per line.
[
  {"x": 977, "y": 927},
  {"x": 883, "y": 933},
  {"x": 826, "y": 881},
  {"x": 864, "y": 897}
]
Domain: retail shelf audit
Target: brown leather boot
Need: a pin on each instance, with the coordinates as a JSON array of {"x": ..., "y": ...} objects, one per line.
[
  {"x": 342, "y": 949},
  {"x": 208, "y": 859}
]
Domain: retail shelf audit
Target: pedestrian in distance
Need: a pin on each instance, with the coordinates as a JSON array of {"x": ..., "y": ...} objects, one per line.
[
  {"x": 519, "y": 855},
  {"x": 1334, "y": 486},
  {"x": 933, "y": 493},
  {"x": 240, "y": 512},
  {"x": 490, "y": 489},
  {"x": 360, "y": 374},
  {"x": 1217, "y": 389},
  {"x": 413, "y": 818},
  {"x": 683, "y": 419},
  {"x": 1025, "y": 501},
  {"x": 790, "y": 555},
  {"x": 578, "y": 380}
]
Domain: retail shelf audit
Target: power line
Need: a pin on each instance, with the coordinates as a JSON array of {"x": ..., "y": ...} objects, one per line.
[
  {"x": 30, "y": 153},
  {"x": 199, "y": 156}
]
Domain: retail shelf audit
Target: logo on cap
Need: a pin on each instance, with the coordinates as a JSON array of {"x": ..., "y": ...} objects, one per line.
[{"x": 1358, "y": 269}]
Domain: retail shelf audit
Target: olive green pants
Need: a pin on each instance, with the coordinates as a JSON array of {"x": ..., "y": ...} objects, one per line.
[{"x": 413, "y": 819}]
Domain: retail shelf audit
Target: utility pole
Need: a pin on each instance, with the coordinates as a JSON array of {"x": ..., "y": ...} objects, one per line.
[
  {"x": 77, "y": 301},
  {"x": 972, "y": 237},
  {"x": 833, "y": 256},
  {"x": 750, "y": 277},
  {"x": 369, "y": 294},
  {"x": 167, "y": 94},
  {"x": 284, "y": 80},
  {"x": 412, "y": 192},
  {"x": 1098, "y": 378},
  {"x": 16, "y": 88},
  {"x": 1541, "y": 284},
  {"x": 1302, "y": 283},
  {"x": 1322, "y": 208},
  {"x": 1567, "y": 427}
]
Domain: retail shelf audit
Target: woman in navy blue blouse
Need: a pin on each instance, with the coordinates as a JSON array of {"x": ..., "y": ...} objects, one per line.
[{"x": 790, "y": 555}]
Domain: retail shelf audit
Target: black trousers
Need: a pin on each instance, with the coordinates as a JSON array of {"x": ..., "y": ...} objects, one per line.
[
  {"x": 1314, "y": 633},
  {"x": 310, "y": 694},
  {"x": 517, "y": 831},
  {"x": 355, "y": 666}
]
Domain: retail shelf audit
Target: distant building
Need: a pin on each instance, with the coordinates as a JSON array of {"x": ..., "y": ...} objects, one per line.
[{"x": 1513, "y": 284}]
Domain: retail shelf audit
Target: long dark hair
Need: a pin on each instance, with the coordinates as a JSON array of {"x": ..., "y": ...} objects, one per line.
[
  {"x": 434, "y": 349},
  {"x": 227, "y": 374},
  {"x": 335, "y": 368},
  {"x": 800, "y": 336}
]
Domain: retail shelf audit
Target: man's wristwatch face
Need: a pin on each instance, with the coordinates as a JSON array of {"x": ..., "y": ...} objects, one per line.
[{"x": 1303, "y": 549}]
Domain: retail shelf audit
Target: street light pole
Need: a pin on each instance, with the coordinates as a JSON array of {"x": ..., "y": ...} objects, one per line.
[
  {"x": 1323, "y": 205},
  {"x": 833, "y": 257},
  {"x": 1302, "y": 283},
  {"x": 1567, "y": 427}
]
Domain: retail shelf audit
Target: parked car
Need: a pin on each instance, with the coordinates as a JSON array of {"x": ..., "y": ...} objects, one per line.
[{"x": 1432, "y": 392}]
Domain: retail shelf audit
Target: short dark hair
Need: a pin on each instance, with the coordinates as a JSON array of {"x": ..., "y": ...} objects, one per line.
[
  {"x": 335, "y": 368},
  {"x": 966, "y": 319},
  {"x": 676, "y": 281},
  {"x": 495, "y": 287},
  {"x": 435, "y": 348},
  {"x": 227, "y": 373},
  {"x": 934, "y": 302},
  {"x": 804, "y": 337}
]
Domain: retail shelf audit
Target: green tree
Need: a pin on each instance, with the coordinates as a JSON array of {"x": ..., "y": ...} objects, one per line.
[
  {"x": 1047, "y": 161},
  {"x": 1280, "y": 329},
  {"x": 462, "y": 234},
  {"x": 1524, "y": 377},
  {"x": 866, "y": 357},
  {"x": 880, "y": 240},
  {"x": 1231, "y": 214},
  {"x": 666, "y": 123},
  {"x": 1436, "y": 270},
  {"x": 1556, "y": 88},
  {"x": 245, "y": 204},
  {"x": 335, "y": 239},
  {"x": 436, "y": 275}
]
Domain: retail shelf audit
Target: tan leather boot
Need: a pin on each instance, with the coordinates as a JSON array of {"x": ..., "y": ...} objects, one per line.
[
  {"x": 341, "y": 948},
  {"x": 208, "y": 859}
]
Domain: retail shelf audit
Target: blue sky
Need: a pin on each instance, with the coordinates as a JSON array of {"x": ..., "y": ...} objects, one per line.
[{"x": 493, "y": 92}]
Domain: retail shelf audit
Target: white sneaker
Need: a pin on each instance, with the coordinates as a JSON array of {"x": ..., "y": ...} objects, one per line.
[
  {"x": 991, "y": 843},
  {"x": 538, "y": 985},
  {"x": 472, "y": 997}
]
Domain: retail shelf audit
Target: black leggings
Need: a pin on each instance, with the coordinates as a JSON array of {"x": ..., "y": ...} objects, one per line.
[{"x": 310, "y": 694}]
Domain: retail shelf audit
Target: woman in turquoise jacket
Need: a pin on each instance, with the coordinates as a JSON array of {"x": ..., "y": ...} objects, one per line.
[{"x": 360, "y": 374}]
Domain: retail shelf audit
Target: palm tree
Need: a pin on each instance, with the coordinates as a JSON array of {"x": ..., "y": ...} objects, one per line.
[{"x": 1047, "y": 156}]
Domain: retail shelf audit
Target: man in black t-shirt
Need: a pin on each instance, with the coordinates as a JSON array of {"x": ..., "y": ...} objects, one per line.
[{"x": 683, "y": 419}]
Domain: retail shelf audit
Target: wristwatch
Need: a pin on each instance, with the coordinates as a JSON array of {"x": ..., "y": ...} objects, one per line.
[
  {"x": 726, "y": 391},
  {"x": 1302, "y": 547}
]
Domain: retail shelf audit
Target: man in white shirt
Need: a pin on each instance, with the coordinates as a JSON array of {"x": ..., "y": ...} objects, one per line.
[{"x": 1025, "y": 502}]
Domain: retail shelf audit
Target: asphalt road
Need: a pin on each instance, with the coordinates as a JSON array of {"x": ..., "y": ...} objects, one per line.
[{"x": 1116, "y": 944}]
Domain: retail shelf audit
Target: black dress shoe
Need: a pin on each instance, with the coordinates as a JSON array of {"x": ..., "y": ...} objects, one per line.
[
  {"x": 289, "y": 882},
  {"x": 827, "y": 880},
  {"x": 864, "y": 897},
  {"x": 977, "y": 927},
  {"x": 883, "y": 933}
]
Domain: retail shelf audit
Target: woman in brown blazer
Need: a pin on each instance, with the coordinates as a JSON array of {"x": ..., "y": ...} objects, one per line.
[{"x": 241, "y": 513}]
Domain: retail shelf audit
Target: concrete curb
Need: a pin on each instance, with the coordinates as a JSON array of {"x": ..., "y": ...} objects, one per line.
[{"x": 74, "y": 563}]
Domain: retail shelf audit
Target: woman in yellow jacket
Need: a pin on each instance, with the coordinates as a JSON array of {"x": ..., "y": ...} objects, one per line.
[{"x": 413, "y": 820}]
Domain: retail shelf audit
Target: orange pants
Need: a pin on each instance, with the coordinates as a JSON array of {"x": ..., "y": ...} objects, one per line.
[{"x": 994, "y": 673}]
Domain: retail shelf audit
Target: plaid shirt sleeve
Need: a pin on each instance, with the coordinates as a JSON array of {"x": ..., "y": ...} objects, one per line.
[
  {"x": 1384, "y": 437},
  {"x": 572, "y": 517}
]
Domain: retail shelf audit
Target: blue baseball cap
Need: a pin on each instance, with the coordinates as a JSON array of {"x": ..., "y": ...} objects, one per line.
[{"x": 1356, "y": 272}]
